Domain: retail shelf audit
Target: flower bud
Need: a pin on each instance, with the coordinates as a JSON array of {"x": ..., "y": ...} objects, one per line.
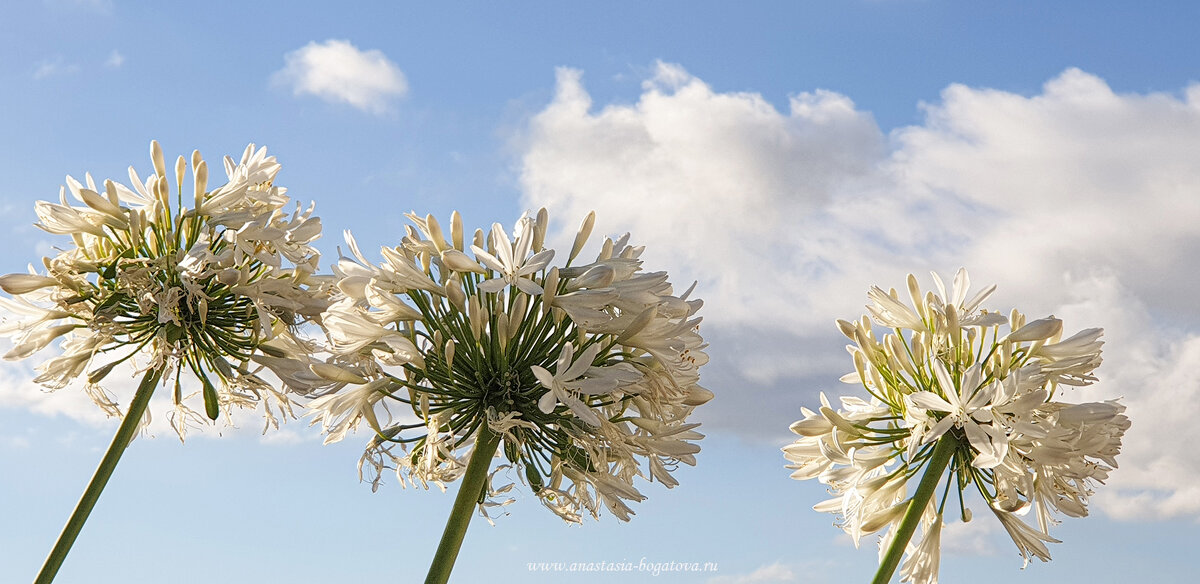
[
  {"x": 697, "y": 396},
  {"x": 17, "y": 284},
  {"x": 435, "y": 232},
  {"x": 1038, "y": 330},
  {"x": 459, "y": 262},
  {"x": 539, "y": 230},
  {"x": 456, "y": 230},
  {"x": 585, "y": 230},
  {"x": 454, "y": 292},
  {"x": 199, "y": 181}
]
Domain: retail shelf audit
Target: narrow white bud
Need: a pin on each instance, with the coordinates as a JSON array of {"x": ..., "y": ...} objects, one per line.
[
  {"x": 200, "y": 182},
  {"x": 456, "y": 230},
  {"x": 539, "y": 230},
  {"x": 435, "y": 232},
  {"x": 585, "y": 231},
  {"x": 180, "y": 169}
]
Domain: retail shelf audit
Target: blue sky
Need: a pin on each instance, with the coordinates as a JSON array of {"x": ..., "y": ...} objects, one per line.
[{"x": 787, "y": 155}]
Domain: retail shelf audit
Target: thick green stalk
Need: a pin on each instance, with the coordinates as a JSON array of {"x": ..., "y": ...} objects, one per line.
[
  {"x": 943, "y": 452},
  {"x": 464, "y": 506},
  {"x": 129, "y": 426}
]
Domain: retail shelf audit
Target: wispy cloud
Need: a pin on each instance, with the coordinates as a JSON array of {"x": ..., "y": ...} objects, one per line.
[
  {"x": 52, "y": 67},
  {"x": 288, "y": 437},
  {"x": 115, "y": 60},
  {"x": 338, "y": 72},
  {"x": 14, "y": 442},
  {"x": 1076, "y": 201},
  {"x": 977, "y": 538}
]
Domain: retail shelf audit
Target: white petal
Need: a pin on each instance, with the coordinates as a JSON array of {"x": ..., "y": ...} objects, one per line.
[
  {"x": 547, "y": 402},
  {"x": 492, "y": 286},
  {"x": 930, "y": 401},
  {"x": 528, "y": 286},
  {"x": 947, "y": 384},
  {"x": 937, "y": 430},
  {"x": 488, "y": 259},
  {"x": 543, "y": 376},
  {"x": 581, "y": 364},
  {"x": 580, "y": 409}
]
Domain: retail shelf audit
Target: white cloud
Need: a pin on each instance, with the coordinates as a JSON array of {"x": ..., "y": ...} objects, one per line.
[
  {"x": 115, "y": 60},
  {"x": 1077, "y": 179},
  {"x": 14, "y": 442},
  {"x": 288, "y": 437},
  {"x": 51, "y": 67},
  {"x": 18, "y": 391},
  {"x": 1077, "y": 201},
  {"x": 56, "y": 66},
  {"x": 338, "y": 72},
  {"x": 730, "y": 173},
  {"x": 977, "y": 538}
]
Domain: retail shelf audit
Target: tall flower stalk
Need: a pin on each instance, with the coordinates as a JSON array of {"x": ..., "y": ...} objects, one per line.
[
  {"x": 581, "y": 376},
  {"x": 966, "y": 397},
  {"x": 181, "y": 295}
]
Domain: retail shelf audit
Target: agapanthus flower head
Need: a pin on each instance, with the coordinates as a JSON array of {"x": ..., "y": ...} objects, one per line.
[
  {"x": 587, "y": 373},
  {"x": 949, "y": 371},
  {"x": 177, "y": 292}
]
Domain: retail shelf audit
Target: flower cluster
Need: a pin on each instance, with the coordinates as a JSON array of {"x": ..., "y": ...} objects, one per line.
[
  {"x": 203, "y": 289},
  {"x": 985, "y": 383},
  {"x": 582, "y": 371}
]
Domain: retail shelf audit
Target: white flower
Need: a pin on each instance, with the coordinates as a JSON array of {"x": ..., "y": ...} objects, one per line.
[
  {"x": 948, "y": 384},
  {"x": 1030, "y": 541},
  {"x": 339, "y": 413},
  {"x": 586, "y": 375},
  {"x": 195, "y": 290},
  {"x": 568, "y": 381},
  {"x": 351, "y": 330},
  {"x": 970, "y": 412},
  {"x": 514, "y": 267}
]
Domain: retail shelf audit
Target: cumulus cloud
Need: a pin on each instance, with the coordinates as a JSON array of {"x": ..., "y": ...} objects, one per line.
[
  {"x": 1077, "y": 201},
  {"x": 337, "y": 71},
  {"x": 775, "y": 213},
  {"x": 730, "y": 172}
]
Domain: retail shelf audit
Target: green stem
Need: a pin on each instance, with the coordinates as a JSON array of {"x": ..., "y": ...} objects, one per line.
[
  {"x": 943, "y": 452},
  {"x": 129, "y": 426},
  {"x": 464, "y": 506}
]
